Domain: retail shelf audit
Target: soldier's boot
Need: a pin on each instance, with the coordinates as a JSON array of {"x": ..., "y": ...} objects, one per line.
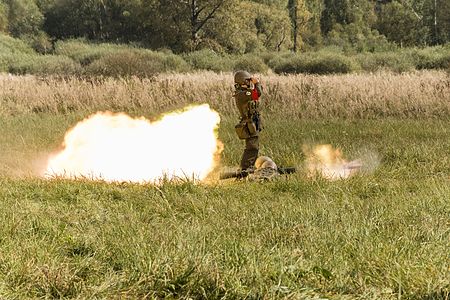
[{"x": 248, "y": 158}]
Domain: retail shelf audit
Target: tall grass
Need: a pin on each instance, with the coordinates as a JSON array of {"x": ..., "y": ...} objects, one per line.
[
  {"x": 382, "y": 235},
  {"x": 424, "y": 94}
]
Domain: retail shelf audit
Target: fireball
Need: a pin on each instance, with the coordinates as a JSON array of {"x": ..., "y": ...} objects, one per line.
[
  {"x": 116, "y": 147},
  {"x": 329, "y": 163}
]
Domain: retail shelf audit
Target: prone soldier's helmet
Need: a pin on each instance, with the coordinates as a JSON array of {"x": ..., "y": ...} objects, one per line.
[
  {"x": 269, "y": 164},
  {"x": 266, "y": 169},
  {"x": 241, "y": 76},
  {"x": 261, "y": 160}
]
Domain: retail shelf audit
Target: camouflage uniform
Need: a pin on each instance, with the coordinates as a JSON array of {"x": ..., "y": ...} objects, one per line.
[
  {"x": 263, "y": 174},
  {"x": 249, "y": 113}
]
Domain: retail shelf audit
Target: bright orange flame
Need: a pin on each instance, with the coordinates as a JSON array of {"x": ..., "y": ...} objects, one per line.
[
  {"x": 327, "y": 162},
  {"x": 116, "y": 147}
]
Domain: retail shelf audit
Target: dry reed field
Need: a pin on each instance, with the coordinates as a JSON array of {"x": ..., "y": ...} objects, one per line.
[{"x": 424, "y": 94}]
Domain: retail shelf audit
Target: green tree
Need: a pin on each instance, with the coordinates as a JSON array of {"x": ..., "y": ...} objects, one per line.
[
  {"x": 3, "y": 17},
  {"x": 233, "y": 30},
  {"x": 248, "y": 26},
  {"x": 312, "y": 35},
  {"x": 272, "y": 26},
  {"x": 108, "y": 20},
  {"x": 299, "y": 16},
  {"x": 122, "y": 19},
  {"x": 401, "y": 24},
  {"x": 179, "y": 25},
  {"x": 73, "y": 18},
  {"x": 349, "y": 24},
  {"x": 436, "y": 17},
  {"x": 200, "y": 13},
  {"x": 442, "y": 24},
  {"x": 164, "y": 24},
  {"x": 334, "y": 12},
  {"x": 24, "y": 17}
]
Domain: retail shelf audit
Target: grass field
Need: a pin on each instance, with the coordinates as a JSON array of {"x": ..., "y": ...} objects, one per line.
[{"x": 383, "y": 234}]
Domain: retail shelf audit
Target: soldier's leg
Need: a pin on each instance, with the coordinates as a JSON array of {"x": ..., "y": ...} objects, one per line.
[{"x": 250, "y": 152}]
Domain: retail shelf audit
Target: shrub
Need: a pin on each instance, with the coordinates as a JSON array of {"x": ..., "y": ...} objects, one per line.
[
  {"x": 395, "y": 61},
  {"x": 208, "y": 60},
  {"x": 122, "y": 63},
  {"x": 3, "y": 17},
  {"x": 267, "y": 56},
  {"x": 86, "y": 53},
  {"x": 171, "y": 62},
  {"x": 3, "y": 63},
  {"x": 40, "y": 42},
  {"x": 276, "y": 60},
  {"x": 13, "y": 45},
  {"x": 331, "y": 64},
  {"x": 250, "y": 63},
  {"x": 19, "y": 63},
  {"x": 133, "y": 62},
  {"x": 431, "y": 58},
  {"x": 443, "y": 62},
  {"x": 44, "y": 65},
  {"x": 323, "y": 63},
  {"x": 292, "y": 65},
  {"x": 355, "y": 38}
]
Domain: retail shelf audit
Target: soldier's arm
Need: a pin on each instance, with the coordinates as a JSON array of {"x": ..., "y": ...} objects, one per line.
[{"x": 258, "y": 86}]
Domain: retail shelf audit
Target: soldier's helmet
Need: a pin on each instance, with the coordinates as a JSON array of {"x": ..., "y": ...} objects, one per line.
[
  {"x": 261, "y": 160},
  {"x": 241, "y": 76},
  {"x": 269, "y": 164}
]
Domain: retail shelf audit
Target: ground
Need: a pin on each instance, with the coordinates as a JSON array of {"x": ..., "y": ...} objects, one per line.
[{"x": 382, "y": 234}]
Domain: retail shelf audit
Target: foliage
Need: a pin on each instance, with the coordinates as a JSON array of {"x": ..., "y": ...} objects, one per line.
[
  {"x": 208, "y": 60},
  {"x": 251, "y": 63},
  {"x": 323, "y": 63},
  {"x": 24, "y": 17},
  {"x": 231, "y": 26},
  {"x": 402, "y": 25},
  {"x": 3, "y": 17},
  {"x": 40, "y": 42},
  {"x": 4, "y": 63},
  {"x": 395, "y": 61},
  {"x": 273, "y": 28},
  {"x": 71, "y": 18},
  {"x": 134, "y": 62},
  {"x": 44, "y": 65},
  {"x": 352, "y": 38},
  {"x": 12, "y": 45},
  {"x": 300, "y": 18},
  {"x": 431, "y": 58},
  {"x": 98, "y": 59},
  {"x": 18, "y": 57},
  {"x": 440, "y": 25},
  {"x": 85, "y": 53},
  {"x": 234, "y": 29}
]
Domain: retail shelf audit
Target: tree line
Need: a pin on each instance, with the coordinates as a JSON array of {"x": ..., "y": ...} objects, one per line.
[{"x": 231, "y": 26}]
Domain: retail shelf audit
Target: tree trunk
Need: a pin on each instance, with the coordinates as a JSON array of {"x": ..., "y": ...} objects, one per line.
[
  {"x": 197, "y": 23},
  {"x": 194, "y": 21},
  {"x": 293, "y": 13}
]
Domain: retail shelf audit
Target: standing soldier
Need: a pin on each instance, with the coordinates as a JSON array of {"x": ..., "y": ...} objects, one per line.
[{"x": 247, "y": 93}]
